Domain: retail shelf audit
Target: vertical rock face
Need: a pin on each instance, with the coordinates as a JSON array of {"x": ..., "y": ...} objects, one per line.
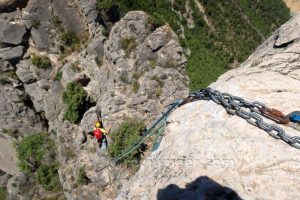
[
  {"x": 142, "y": 72},
  {"x": 15, "y": 114},
  {"x": 138, "y": 73},
  {"x": 209, "y": 154},
  {"x": 69, "y": 14},
  {"x": 11, "y": 33},
  {"x": 43, "y": 16}
]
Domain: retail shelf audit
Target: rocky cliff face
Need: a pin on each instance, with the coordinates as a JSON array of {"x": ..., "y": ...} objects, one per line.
[
  {"x": 136, "y": 71},
  {"x": 209, "y": 154}
]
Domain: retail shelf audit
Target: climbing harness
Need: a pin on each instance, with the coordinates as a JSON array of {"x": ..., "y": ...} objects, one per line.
[
  {"x": 237, "y": 106},
  {"x": 233, "y": 105}
]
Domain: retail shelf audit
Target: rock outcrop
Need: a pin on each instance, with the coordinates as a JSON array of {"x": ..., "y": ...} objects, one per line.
[
  {"x": 136, "y": 72},
  {"x": 206, "y": 153},
  {"x": 11, "y": 33},
  {"x": 144, "y": 71},
  {"x": 130, "y": 74}
]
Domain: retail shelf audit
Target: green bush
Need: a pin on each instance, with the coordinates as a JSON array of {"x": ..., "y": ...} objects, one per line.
[
  {"x": 128, "y": 45},
  {"x": 159, "y": 81},
  {"x": 179, "y": 5},
  {"x": 57, "y": 23},
  {"x": 104, "y": 4},
  {"x": 125, "y": 136},
  {"x": 11, "y": 132},
  {"x": 135, "y": 86},
  {"x": 34, "y": 150},
  {"x": 47, "y": 176},
  {"x": 124, "y": 78},
  {"x": 41, "y": 61},
  {"x": 153, "y": 64},
  {"x": 82, "y": 178},
  {"x": 3, "y": 193},
  {"x": 36, "y": 154},
  {"x": 69, "y": 39},
  {"x": 74, "y": 97},
  {"x": 58, "y": 76},
  {"x": 4, "y": 77}
]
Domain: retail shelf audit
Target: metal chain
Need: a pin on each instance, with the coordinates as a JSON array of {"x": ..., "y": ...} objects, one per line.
[{"x": 235, "y": 106}]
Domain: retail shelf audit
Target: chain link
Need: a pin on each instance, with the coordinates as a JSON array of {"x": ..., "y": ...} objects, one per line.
[{"x": 237, "y": 106}]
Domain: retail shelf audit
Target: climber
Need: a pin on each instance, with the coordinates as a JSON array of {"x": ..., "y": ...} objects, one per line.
[{"x": 100, "y": 135}]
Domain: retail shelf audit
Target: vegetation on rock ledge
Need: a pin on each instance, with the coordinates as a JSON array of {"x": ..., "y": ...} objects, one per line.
[
  {"x": 37, "y": 158},
  {"x": 125, "y": 136},
  {"x": 82, "y": 177},
  {"x": 75, "y": 100},
  {"x": 42, "y": 62}
]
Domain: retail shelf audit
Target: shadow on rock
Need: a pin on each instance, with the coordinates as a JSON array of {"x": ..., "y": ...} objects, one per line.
[{"x": 203, "y": 188}]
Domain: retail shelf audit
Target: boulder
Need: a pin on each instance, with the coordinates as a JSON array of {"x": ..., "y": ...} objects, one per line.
[
  {"x": 37, "y": 94},
  {"x": 11, "y": 33},
  {"x": 14, "y": 184},
  {"x": 37, "y": 17},
  {"x": 170, "y": 55},
  {"x": 288, "y": 32},
  {"x": 207, "y": 153},
  {"x": 79, "y": 139},
  {"x": 4, "y": 177},
  {"x": 89, "y": 118},
  {"x": 15, "y": 113},
  {"x": 160, "y": 37},
  {"x": 37, "y": 10},
  {"x": 130, "y": 30},
  {"x": 89, "y": 9},
  {"x": 11, "y": 16},
  {"x": 95, "y": 47},
  {"x": 8, "y": 156},
  {"x": 40, "y": 36},
  {"x": 69, "y": 13},
  {"x": 68, "y": 74},
  {"x": 13, "y": 53},
  {"x": 5, "y": 66},
  {"x": 52, "y": 103},
  {"x": 24, "y": 72}
]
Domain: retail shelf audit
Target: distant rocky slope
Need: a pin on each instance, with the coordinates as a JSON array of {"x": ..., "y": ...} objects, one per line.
[{"x": 209, "y": 154}]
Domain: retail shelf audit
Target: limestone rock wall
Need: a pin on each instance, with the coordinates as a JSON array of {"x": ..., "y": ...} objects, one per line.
[
  {"x": 206, "y": 153},
  {"x": 134, "y": 72}
]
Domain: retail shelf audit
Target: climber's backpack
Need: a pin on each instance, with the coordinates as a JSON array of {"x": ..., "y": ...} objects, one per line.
[{"x": 98, "y": 134}]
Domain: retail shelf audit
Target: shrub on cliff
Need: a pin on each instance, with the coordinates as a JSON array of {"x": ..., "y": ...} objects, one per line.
[
  {"x": 82, "y": 177},
  {"x": 125, "y": 136},
  {"x": 34, "y": 150},
  {"x": 47, "y": 176},
  {"x": 3, "y": 193},
  {"x": 41, "y": 61},
  {"x": 69, "y": 39},
  {"x": 37, "y": 159},
  {"x": 74, "y": 97}
]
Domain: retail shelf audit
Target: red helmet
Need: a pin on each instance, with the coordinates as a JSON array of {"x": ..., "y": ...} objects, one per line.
[{"x": 97, "y": 134}]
